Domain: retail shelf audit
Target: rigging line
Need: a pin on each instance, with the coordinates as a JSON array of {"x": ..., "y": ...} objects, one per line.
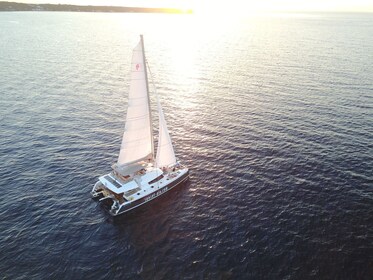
[
  {"x": 158, "y": 104},
  {"x": 152, "y": 78}
]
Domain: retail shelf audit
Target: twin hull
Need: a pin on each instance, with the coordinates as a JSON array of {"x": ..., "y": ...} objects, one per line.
[{"x": 127, "y": 206}]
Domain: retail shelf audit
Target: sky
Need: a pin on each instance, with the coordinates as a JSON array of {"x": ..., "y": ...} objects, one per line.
[{"x": 237, "y": 5}]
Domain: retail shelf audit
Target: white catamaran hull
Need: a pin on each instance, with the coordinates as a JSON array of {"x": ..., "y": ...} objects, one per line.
[{"x": 146, "y": 194}]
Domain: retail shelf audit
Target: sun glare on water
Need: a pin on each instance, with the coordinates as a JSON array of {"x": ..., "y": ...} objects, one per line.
[
  {"x": 189, "y": 38},
  {"x": 239, "y": 8},
  {"x": 231, "y": 8}
]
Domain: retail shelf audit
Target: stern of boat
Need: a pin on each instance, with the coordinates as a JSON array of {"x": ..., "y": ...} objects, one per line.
[
  {"x": 106, "y": 199},
  {"x": 97, "y": 191}
]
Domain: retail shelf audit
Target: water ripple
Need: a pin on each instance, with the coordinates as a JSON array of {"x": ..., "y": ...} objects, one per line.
[{"x": 274, "y": 119}]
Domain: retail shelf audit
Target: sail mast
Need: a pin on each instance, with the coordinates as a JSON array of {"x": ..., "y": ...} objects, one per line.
[
  {"x": 138, "y": 138},
  {"x": 147, "y": 91}
]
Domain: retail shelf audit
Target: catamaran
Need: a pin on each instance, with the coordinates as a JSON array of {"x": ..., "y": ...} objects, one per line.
[{"x": 139, "y": 175}]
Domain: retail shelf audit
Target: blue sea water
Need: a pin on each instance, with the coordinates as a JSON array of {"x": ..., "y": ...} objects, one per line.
[{"x": 273, "y": 114}]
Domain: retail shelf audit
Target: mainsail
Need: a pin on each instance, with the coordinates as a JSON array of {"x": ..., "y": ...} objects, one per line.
[
  {"x": 137, "y": 142},
  {"x": 165, "y": 150}
]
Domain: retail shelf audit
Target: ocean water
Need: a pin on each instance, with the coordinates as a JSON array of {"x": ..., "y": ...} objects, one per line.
[{"x": 273, "y": 114}]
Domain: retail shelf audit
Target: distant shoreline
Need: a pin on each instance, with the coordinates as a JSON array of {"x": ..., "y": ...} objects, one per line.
[{"x": 20, "y": 7}]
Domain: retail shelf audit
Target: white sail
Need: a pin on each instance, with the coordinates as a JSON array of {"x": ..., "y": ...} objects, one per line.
[
  {"x": 137, "y": 142},
  {"x": 165, "y": 150}
]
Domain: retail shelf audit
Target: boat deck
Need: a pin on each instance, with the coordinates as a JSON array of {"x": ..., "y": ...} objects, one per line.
[{"x": 141, "y": 188}]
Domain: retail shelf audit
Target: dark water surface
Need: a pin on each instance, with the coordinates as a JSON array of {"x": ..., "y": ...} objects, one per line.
[{"x": 272, "y": 114}]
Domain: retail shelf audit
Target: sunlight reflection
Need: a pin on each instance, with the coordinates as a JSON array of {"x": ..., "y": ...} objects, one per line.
[{"x": 181, "y": 48}]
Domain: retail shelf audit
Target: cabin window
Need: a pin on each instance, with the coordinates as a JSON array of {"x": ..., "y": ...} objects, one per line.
[
  {"x": 131, "y": 192},
  {"x": 155, "y": 180}
]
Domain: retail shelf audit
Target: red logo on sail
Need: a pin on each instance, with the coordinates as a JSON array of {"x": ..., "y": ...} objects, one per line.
[{"x": 137, "y": 67}]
